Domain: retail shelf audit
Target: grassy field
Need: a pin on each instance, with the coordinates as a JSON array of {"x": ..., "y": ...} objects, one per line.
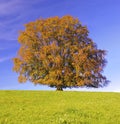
[{"x": 51, "y": 107}]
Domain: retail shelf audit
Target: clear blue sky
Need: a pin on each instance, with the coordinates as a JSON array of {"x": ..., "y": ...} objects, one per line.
[{"x": 102, "y": 17}]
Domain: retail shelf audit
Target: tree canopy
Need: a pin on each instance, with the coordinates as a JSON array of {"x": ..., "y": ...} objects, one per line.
[{"x": 59, "y": 53}]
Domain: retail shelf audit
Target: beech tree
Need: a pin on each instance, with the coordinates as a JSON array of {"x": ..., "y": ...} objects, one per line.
[{"x": 59, "y": 53}]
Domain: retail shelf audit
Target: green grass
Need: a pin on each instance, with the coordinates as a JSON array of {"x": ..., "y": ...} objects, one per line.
[{"x": 51, "y": 107}]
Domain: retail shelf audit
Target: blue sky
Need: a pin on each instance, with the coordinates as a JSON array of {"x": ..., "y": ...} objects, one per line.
[{"x": 102, "y": 17}]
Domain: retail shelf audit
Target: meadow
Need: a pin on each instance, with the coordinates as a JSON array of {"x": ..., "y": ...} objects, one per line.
[{"x": 53, "y": 107}]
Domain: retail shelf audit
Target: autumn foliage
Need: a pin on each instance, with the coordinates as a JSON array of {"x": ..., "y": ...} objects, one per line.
[{"x": 58, "y": 52}]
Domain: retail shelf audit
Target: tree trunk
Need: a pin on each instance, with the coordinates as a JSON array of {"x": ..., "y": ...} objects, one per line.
[{"x": 59, "y": 88}]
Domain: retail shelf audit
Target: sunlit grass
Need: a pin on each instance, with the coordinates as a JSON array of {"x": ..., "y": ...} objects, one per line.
[{"x": 51, "y": 107}]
